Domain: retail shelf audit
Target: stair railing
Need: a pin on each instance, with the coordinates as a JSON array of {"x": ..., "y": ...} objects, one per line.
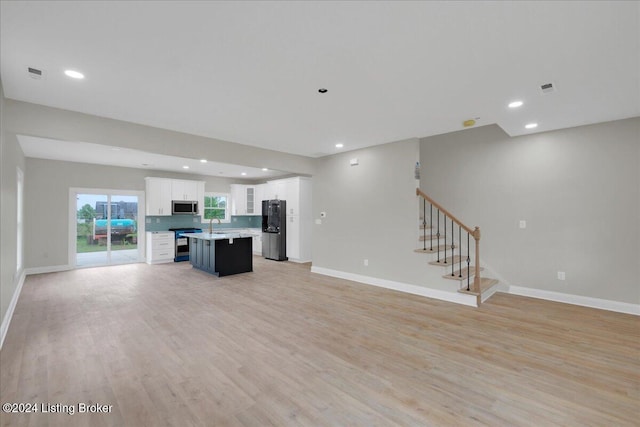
[{"x": 470, "y": 232}]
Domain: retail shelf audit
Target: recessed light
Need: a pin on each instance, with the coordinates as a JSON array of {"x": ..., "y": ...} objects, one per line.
[
  {"x": 339, "y": 145},
  {"x": 264, "y": 169},
  {"x": 515, "y": 104},
  {"x": 243, "y": 174},
  {"x": 322, "y": 90},
  {"x": 203, "y": 160},
  {"x": 185, "y": 167},
  {"x": 74, "y": 74},
  {"x": 531, "y": 126}
]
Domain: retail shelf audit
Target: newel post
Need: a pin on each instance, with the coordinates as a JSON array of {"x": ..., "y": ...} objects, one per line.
[{"x": 476, "y": 279}]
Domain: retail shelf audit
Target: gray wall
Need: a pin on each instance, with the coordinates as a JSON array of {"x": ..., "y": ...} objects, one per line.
[
  {"x": 11, "y": 157},
  {"x": 578, "y": 189},
  {"x": 47, "y": 184},
  {"x": 36, "y": 120},
  {"x": 371, "y": 212}
]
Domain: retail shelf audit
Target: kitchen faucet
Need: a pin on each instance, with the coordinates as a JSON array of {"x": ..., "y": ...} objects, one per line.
[{"x": 211, "y": 224}]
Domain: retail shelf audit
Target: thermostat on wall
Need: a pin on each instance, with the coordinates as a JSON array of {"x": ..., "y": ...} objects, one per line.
[{"x": 353, "y": 162}]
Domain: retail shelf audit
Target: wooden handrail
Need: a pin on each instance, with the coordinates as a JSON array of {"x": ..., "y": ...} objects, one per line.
[{"x": 475, "y": 233}]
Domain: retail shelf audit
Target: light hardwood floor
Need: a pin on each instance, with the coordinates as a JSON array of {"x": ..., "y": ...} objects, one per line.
[{"x": 168, "y": 345}]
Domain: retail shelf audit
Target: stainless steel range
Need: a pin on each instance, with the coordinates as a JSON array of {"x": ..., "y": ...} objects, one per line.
[{"x": 182, "y": 242}]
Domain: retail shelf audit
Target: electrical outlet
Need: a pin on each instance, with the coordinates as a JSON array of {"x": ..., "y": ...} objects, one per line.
[
  {"x": 195, "y": 219},
  {"x": 561, "y": 275},
  {"x": 366, "y": 262},
  {"x": 523, "y": 223},
  {"x": 157, "y": 220}
]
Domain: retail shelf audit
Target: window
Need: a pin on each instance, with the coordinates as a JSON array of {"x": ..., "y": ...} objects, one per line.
[{"x": 216, "y": 206}]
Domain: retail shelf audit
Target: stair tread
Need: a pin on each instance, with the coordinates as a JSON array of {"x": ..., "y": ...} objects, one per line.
[
  {"x": 485, "y": 284},
  {"x": 428, "y": 237},
  {"x": 456, "y": 260},
  {"x": 434, "y": 250},
  {"x": 465, "y": 273},
  {"x": 422, "y": 227}
]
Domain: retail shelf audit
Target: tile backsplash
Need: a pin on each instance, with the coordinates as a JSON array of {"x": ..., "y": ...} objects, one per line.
[{"x": 162, "y": 223}]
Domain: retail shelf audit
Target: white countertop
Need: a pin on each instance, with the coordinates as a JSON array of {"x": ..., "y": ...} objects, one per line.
[{"x": 217, "y": 235}]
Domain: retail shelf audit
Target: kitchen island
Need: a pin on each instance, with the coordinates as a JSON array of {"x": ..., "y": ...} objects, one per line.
[{"x": 221, "y": 254}]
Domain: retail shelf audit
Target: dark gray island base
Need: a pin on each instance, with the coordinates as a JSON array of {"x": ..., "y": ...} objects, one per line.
[{"x": 221, "y": 254}]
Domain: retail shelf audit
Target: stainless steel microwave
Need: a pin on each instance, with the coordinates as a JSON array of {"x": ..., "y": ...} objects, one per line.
[{"x": 184, "y": 207}]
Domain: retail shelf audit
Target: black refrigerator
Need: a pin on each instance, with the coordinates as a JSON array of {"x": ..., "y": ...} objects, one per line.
[{"x": 274, "y": 229}]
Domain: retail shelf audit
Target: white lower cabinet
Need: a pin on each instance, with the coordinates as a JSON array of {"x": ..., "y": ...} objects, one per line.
[
  {"x": 160, "y": 246},
  {"x": 257, "y": 244}
]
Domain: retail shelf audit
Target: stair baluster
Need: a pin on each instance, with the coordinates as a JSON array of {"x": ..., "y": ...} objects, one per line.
[
  {"x": 453, "y": 261},
  {"x": 468, "y": 262},
  {"x": 424, "y": 224},
  {"x": 431, "y": 225},
  {"x": 438, "y": 235},
  {"x": 445, "y": 238},
  {"x": 460, "y": 249}
]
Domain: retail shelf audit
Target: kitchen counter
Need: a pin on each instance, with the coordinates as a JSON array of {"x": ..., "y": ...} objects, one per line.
[
  {"x": 218, "y": 235},
  {"x": 221, "y": 253}
]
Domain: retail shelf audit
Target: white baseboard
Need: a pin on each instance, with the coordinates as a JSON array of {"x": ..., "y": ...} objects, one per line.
[
  {"x": 603, "y": 304},
  {"x": 454, "y": 297},
  {"x": 4, "y": 327},
  {"x": 47, "y": 269}
]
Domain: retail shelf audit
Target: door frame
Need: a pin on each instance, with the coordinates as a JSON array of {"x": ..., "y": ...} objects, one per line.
[{"x": 74, "y": 191}]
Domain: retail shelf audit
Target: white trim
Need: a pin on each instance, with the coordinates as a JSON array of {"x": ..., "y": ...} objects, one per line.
[
  {"x": 4, "y": 327},
  {"x": 455, "y": 297},
  {"x": 48, "y": 269},
  {"x": 603, "y": 304}
]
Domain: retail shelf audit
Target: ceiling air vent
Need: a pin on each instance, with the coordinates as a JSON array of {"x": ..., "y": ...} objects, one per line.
[
  {"x": 547, "y": 88},
  {"x": 34, "y": 73}
]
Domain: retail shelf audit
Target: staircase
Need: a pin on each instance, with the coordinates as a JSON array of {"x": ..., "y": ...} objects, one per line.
[{"x": 452, "y": 247}]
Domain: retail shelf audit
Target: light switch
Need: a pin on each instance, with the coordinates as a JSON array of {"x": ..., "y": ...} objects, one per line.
[
  {"x": 523, "y": 223},
  {"x": 318, "y": 221}
]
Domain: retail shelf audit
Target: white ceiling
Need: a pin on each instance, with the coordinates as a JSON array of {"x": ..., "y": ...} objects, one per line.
[{"x": 249, "y": 72}]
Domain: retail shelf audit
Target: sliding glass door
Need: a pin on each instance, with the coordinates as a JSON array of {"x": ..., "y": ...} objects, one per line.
[{"x": 106, "y": 228}]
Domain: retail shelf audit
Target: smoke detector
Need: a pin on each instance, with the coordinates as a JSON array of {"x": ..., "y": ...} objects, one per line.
[
  {"x": 35, "y": 73},
  {"x": 547, "y": 88}
]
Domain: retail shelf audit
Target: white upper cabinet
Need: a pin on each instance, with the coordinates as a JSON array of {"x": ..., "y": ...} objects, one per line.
[
  {"x": 158, "y": 196},
  {"x": 246, "y": 199},
  {"x": 250, "y": 197},
  {"x": 259, "y": 196},
  {"x": 238, "y": 200},
  {"x": 185, "y": 190}
]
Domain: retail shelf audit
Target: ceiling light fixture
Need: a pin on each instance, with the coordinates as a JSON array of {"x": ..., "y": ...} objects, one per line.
[
  {"x": 185, "y": 167},
  {"x": 203, "y": 160},
  {"x": 339, "y": 145},
  {"x": 515, "y": 104},
  {"x": 74, "y": 74},
  {"x": 243, "y": 174},
  {"x": 264, "y": 169},
  {"x": 531, "y": 126}
]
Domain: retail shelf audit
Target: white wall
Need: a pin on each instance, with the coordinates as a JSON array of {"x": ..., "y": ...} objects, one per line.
[
  {"x": 371, "y": 213},
  {"x": 24, "y": 118},
  {"x": 11, "y": 157},
  {"x": 578, "y": 189},
  {"x": 47, "y": 184}
]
